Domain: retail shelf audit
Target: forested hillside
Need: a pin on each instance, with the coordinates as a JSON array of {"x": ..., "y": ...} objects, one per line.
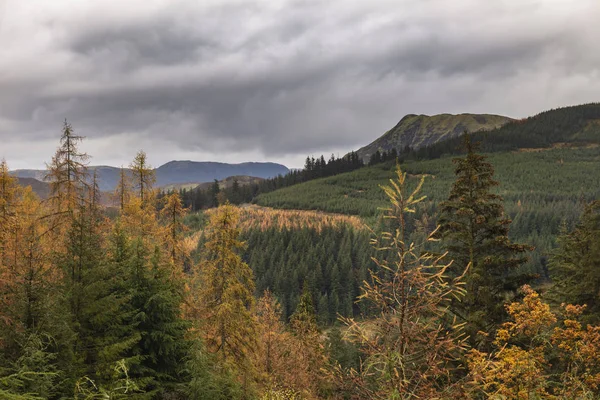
[
  {"x": 541, "y": 189},
  {"x": 149, "y": 301}
]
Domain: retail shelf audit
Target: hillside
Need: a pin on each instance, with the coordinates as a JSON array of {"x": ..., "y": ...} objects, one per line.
[
  {"x": 177, "y": 172},
  {"x": 288, "y": 248},
  {"x": 541, "y": 190},
  {"x": 416, "y": 131},
  {"x": 42, "y": 189}
]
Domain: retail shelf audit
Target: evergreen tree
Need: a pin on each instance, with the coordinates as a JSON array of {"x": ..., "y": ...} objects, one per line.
[
  {"x": 474, "y": 232},
  {"x": 575, "y": 265},
  {"x": 162, "y": 347}
]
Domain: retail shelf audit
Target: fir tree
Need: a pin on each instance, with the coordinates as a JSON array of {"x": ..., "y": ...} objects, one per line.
[
  {"x": 474, "y": 232},
  {"x": 575, "y": 265}
]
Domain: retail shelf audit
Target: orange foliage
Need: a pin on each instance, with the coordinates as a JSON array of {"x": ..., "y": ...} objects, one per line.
[{"x": 265, "y": 218}]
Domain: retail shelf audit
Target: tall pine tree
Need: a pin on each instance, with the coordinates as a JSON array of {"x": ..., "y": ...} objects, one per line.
[{"x": 474, "y": 232}]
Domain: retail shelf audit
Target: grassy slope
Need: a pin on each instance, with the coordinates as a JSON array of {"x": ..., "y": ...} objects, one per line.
[{"x": 421, "y": 130}]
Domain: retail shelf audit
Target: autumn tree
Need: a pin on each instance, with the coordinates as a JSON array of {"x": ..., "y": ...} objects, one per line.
[
  {"x": 538, "y": 353},
  {"x": 144, "y": 178},
  {"x": 172, "y": 215},
  {"x": 10, "y": 205},
  {"x": 474, "y": 231},
  {"x": 409, "y": 352},
  {"x": 139, "y": 213},
  {"x": 309, "y": 350},
  {"x": 226, "y": 294},
  {"x": 122, "y": 193},
  {"x": 68, "y": 174},
  {"x": 277, "y": 350}
]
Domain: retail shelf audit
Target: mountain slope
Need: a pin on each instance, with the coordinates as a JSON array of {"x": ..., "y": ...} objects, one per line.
[
  {"x": 177, "y": 172},
  {"x": 416, "y": 131},
  {"x": 42, "y": 189}
]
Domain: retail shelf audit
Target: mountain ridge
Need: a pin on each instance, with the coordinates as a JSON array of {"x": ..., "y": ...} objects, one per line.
[
  {"x": 420, "y": 130},
  {"x": 177, "y": 172}
]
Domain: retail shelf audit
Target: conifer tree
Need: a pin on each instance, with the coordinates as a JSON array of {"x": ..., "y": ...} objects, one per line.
[
  {"x": 309, "y": 350},
  {"x": 144, "y": 178},
  {"x": 575, "y": 265},
  {"x": 474, "y": 231},
  {"x": 408, "y": 353},
  {"x": 9, "y": 208},
  {"x": 67, "y": 174},
  {"x": 172, "y": 214},
  {"x": 123, "y": 190},
  {"x": 227, "y": 294},
  {"x": 162, "y": 347}
]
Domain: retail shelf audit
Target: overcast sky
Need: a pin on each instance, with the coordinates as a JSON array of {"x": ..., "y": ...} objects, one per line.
[{"x": 275, "y": 80}]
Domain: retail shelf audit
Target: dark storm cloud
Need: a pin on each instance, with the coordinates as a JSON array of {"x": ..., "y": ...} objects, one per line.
[{"x": 279, "y": 79}]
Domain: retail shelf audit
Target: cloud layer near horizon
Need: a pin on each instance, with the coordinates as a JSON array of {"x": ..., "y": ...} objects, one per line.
[{"x": 237, "y": 80}]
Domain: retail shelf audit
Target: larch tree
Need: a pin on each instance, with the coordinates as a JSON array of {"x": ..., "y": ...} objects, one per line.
[
  {"x": 10, "y": 201},
  {"x": 308, "y": 351},
  {"x": 408, "y": 352},
  {"x": 474, "y": 232},
  {"x": 122, "y": 193},
  {"x": 172, "y": 215},
  {"x": 67, "y": 174},
  {"x": 144, "y": 178},
  {"x": 227, "y": 294},
  {"x": 139, "y": 216}
]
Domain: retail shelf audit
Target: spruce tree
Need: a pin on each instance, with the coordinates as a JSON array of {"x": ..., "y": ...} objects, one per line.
[
  {"x": 474, "y": 232},
  {"x": 157, "y": 299},
  {"x": 575, "y": 265}
]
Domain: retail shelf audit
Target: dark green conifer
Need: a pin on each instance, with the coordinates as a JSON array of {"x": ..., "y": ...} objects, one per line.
[{"x": 474, "y": 231}]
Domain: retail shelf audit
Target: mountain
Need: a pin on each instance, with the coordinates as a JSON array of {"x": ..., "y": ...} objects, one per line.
[
  {"x": 193, "y": 171},
  {"x": 417, "y": 131},
  {"x": 177, "y": 172}
]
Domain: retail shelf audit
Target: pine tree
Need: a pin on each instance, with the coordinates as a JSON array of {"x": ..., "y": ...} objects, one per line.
[
  {"x": 575, "y": 265},
  {"x": 474, "y": 232},
  {"x": 227, "y": 294},
  {"x": 157, "y": 299}
]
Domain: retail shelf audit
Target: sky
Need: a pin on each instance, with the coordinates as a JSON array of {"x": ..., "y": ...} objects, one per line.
[{"x": 276, "y": 80}]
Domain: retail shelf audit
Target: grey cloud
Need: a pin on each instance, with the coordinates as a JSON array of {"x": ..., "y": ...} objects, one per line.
[{"x": 283, "y": 79}]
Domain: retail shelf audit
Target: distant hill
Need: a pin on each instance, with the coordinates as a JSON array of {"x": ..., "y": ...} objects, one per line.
[
  {"x": 193, "y": 171},
  {"x": 418, "y": 131},
  {"x": 42, "y": 189},
  {"x": 178, "y": 172}
]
